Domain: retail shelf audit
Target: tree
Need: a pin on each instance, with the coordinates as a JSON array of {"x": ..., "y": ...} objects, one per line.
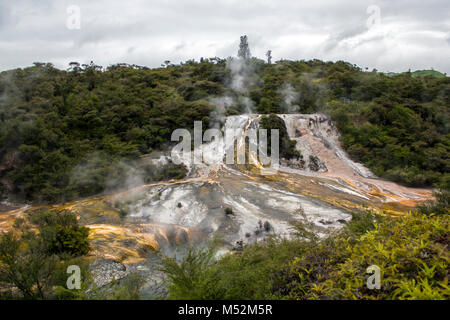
[
  {"x": 60, "y": 233},
  {"x": 287, "y": 146},
  {"x": 74, "y": 66},
  {"x": 269, "y": 56},
  {"x": 30, "y": 260},
  {"x": 244, "y": 50},
  {"x": 25, "y": 264}
]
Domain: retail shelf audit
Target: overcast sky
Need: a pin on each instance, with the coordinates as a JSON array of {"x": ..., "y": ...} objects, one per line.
[{"x": 409, "y": 34}]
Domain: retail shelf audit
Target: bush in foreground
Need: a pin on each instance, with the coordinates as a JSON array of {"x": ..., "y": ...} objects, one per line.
[{"x": 411, "y": 251}]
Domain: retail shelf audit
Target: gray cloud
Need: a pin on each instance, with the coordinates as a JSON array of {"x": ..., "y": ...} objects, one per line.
[{"x": 411, "y": 34}]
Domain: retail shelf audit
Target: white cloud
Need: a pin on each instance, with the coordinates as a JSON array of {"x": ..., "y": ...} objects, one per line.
[{"x": 412, "y": 34}]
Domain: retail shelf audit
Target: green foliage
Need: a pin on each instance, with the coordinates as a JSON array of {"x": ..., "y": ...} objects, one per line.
[
  {"x": 26, "y": 266},
  {"x": 128, "y": 288},
  {"x": 59, "y": 125},
  {"x": 60, "y": 276},
  {"x": 411, "y": 251},
  {"x": 287, "y": 146},
  {"x": 190, "y": 277},
  {"x": 407, "y": 143},
  {"x": 244, "y": 275},
  {"x": 404, "y": 249},
  {"x": 123, "y": 212},
  {"x": 61, "y": 233},
  {"x": 164, "y": 172},
  {"x": 441, "y": 204},
  {"x": 362, "y": 222},
  {"x": 427, "y": 73},
  {"x": 63, "y": 133},
  {"x": 34, "y": 261}
]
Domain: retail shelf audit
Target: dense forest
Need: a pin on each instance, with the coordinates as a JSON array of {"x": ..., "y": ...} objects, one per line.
[{"x": 71, "y": 133}]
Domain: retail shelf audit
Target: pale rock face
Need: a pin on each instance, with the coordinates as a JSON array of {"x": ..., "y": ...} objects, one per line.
[
  {"x": 199, "y": 202},
  {"x": 322, "y": 188},
  {"x": 315, "y": 132}
]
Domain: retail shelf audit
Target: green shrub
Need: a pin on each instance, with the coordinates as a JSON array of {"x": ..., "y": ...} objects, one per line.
[
  {"x": 190, "y": 279},
  {"x": 287, "y": 146},
  {"x": 164, "y": 172},
  {"x": 61, "y": 233},
  {"x": 128, "y": 288},
  {"x": 362, "y": 222},
  {"x": 441, "y": 204}
]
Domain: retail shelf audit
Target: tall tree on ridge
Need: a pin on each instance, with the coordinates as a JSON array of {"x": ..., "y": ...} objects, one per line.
[
  {"x": 244, "y": 50},
  {"x": 269, "y": 56}
]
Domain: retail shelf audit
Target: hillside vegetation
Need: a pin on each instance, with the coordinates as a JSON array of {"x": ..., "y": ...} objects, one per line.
[
  {"x": 67, "y": 134},
  {"x": 422, "y": 73},
  {"x": 426, "y": 73}
]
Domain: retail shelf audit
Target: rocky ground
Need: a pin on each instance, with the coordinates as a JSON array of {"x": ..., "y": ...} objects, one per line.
[{"x": 105, "y": 271}]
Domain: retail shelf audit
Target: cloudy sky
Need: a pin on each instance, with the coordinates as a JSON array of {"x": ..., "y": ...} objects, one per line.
[{"x": 386, "y": 35}]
